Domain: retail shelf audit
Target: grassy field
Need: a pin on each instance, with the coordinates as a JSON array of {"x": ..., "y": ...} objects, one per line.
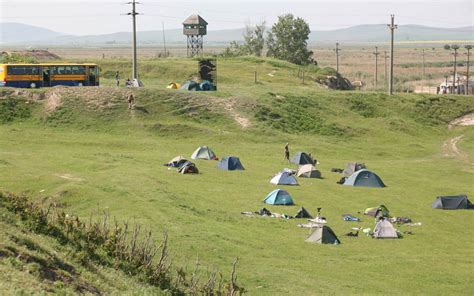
[
  {"x": 356, "y": 61},
  {"x": 93, "y": 154}
]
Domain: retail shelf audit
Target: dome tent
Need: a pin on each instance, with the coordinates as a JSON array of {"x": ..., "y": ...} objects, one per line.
[
  {"x": 230, "y": 163},
  {"x": 385, "y": 229},
  {"x": 284, "y": 178},
  {"x": 176, "y": 162},
  {"x": 204, "y": 152},
  {"x": 301, "y": 158},
  {"x": 190, "y": 85},
  {"x": 188, "y": 168},
  {"x": 308, "y": 171},
  {"x": 364, "y": 178},
  {"x": 455, "y": 202},
  {"x": 279, "y": 197},
  {"x": 323, "y": 235}
]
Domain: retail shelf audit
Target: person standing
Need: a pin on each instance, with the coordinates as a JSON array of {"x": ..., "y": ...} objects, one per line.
[
  {"x": 287, "y": 152},
  {"x": 131, "y": 100},
  {"x": 117, "y": 78}
]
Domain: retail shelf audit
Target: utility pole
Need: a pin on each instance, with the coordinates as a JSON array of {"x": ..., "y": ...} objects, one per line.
[
  {"x": 376, "y": 53},
  {"x": 446, "y": 84},
  {"x": 337, "y": 50},
  {"x": 392, "y": 28},
  {"x": 454, "y": 48},
  {"x": 385, "y": 57},
  {"x": 164, "y": 40},
  {"x": 423, "y": 61},
  {"x": 468, "y": 47},
  {"x": 134, "y": 13}
]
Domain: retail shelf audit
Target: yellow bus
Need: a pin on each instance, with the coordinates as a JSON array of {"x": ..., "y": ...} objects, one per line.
[{"x": 45, "y": 75}]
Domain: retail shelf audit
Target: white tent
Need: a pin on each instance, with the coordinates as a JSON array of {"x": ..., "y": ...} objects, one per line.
[
  {"x": 308, "y": 171},
  {"x": 284, "y": 178},
  {"x": 203, "y": 152},
  {"x": 385, "y": 229}
]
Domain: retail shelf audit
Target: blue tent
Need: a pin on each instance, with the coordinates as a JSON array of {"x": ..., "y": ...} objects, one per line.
[
  {"x": 279, "y": 197},
  {"x": 364, "y": 178},
  {"x": 207, "y": 86},
  {"x": 191, "y": 85},
  {"x": 230, "y": 163}
]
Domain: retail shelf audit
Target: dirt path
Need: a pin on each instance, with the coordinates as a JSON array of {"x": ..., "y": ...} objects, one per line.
[
  {"x": 229, "y": 106},
  {"x": 450, "y": 149},
  {"x": 466, "y": 120}
]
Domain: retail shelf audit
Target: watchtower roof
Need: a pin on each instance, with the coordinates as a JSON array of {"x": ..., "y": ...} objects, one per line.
[{"x": 195, "y": 19}]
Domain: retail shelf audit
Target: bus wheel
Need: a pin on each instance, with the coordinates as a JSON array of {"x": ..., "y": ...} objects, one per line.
[
  {"x": 32, "y": 85},
  {"x": 80, "y": 84}
]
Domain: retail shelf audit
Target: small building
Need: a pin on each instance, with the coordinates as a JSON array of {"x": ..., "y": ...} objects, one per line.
[
  {"x": 460, "y": 85},
  {"x": 194, "y": 28}
]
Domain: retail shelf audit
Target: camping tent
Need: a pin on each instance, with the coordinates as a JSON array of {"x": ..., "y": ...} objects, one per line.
[
  {"x": 384, "y": 229},
  {"x": 351, "y": 168},
  {"x": 204, "y": 152},
  {"x": 364, "y": 178},
  {"x": 230, "y": 163},
  {"x": 177, "y": 161},
  {"x": 323, "y": 235},
  {"x": 308, "y": 171},
  {"x": 301, "y": 158},
  {"x": 191, "y": 85},
  {"x": 188, "y": 168},
  {"x": 303, "y": 213},
  {"x": 279, "y": 197},
  {"x": 284, "y": 178},
  {"x": 377, "y": 211},
  {"x": 174, "y": 85},
  {"x": 207, "y": 86},
  {"x": 455, "y": 202}
]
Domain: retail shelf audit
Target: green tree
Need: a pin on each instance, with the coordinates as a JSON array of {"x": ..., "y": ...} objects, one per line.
[
  {"x": 254, "y": 42},
  {"x": 254, "y": 39},
  {"x": 287, "y": 40}
]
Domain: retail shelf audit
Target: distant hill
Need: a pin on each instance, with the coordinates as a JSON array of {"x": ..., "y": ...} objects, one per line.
[
  {"x": 21, "y": 33},
  {"x": 24, "y": 34},
  {"x": 376, "y": 33}
]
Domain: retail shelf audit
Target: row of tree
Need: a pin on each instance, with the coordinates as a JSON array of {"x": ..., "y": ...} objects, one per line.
[{"x": 286, "y": 40}]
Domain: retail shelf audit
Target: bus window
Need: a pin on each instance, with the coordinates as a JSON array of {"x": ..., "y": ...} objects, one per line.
[
  {"x": 59, "y": 70},
  {"x": 35, "y": 70},
  {"x": 67, "y": 70},
  {"x": 15, "y": 70},
  {"x": 78, "y": 70}
]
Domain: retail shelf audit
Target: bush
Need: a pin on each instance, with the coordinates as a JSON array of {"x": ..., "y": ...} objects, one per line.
[
  {"x": 131, "y": 249},
  {"x": 11, "y": 109}
]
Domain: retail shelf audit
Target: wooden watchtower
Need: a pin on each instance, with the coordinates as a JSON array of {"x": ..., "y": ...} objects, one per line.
[{"x": 194, "y": 28}]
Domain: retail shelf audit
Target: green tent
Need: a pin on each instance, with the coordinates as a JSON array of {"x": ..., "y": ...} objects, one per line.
[
  {"x": 364, "y": 178},
  {"x": 377, "y": 211},
  {"x": 323, "y": 235}
]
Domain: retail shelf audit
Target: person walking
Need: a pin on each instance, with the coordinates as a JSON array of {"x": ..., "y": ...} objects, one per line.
[
  {"x": 117, "y": 78},
  {"x": 131, "y": 100},
  {"x": 287, "y": 152}
]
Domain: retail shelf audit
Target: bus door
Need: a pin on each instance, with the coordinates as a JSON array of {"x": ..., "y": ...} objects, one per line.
[
  {"x": 46, "y": 76},
  {"x": 92, "y": 76}
]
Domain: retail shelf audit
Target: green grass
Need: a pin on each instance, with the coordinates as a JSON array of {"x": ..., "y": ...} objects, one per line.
[{"x": 113, "y": 158}]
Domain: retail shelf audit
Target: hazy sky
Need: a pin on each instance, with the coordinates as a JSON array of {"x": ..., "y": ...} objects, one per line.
[{"x": 105, "y": 16}]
